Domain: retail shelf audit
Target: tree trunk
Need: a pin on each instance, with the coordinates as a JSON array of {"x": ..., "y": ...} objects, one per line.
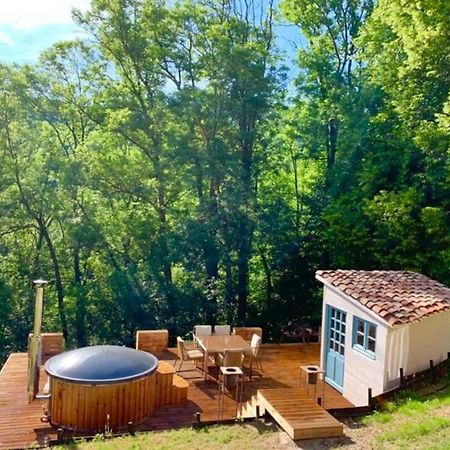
[
  {"x": 244, "y": 250},
  {"x": 268, "y": 273},
  {"x": 228, "y": 263},
  {"x": 80, "y": 312},
  {"x": 245, "y": 227},
  {"x": 210, "y": 251},
  {"x": 331, "y": 146},
  {"x": 164, "y": 245},
  {"x": 297, "y": 194},
  {"x": 58, "y": 280}
]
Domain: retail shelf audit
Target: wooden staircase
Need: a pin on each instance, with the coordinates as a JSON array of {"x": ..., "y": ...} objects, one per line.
[
  {"x": 251, "y": 408},
  {"x": 171, "y": 389}
]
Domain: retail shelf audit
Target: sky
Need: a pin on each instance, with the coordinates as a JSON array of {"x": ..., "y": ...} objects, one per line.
[{"x": 27, "y": 27}]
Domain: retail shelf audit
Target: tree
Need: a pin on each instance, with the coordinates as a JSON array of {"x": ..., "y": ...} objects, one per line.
[{"x": 331, "y": 99}]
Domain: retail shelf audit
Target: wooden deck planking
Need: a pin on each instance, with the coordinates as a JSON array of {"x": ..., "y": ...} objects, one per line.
[
  {"x": 20, "y": 425},
  {"x": 281, "y": 365},
  {"x": 300, "y": 416}
]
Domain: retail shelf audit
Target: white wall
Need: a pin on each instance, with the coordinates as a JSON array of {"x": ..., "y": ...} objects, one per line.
[
  {"x": 397, "y": 353},
  {"x": 411, "y": 347},
  {"x": 360, "y": 371}
]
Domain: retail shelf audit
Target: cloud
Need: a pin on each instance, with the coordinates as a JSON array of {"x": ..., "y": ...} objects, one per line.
[
  {"x": 28, "y": 14},
  {"x": 26, "y": 45},
  {"x": 27, "y": 27},
  {"x": 5, "y": 39}
]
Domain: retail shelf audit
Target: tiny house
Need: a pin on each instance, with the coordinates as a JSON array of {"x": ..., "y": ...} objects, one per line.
[{"x": 375, "y": 323}]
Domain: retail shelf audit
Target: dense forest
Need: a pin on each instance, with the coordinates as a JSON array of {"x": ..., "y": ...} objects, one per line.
[{"x": 165, "y": 171}]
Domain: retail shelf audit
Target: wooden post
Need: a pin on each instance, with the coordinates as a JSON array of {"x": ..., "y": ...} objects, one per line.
[
  {"x": 257, "y": 411},
  {"x": 433, "y": 372},
  {"x": 369, "y": 397},
  {"x": 34, "y": 362},
  {"x": 402, "y": 377},
  {"x": 197, "y": 420}
]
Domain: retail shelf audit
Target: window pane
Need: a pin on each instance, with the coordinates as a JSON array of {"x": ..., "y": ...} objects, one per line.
[
  {"x": 333, "y": 312},
  {"x": 372, "y": 331},
  {"x": 371, "y": 345},
  {"x": 343, "y": 328},
  {"x": 343, "y": 339},
  {"x": 336, "y": 347},
  {"x": 330, "y": 345},
  {"x": 360, "y": 326},
  {"x": 360, "y": 339},
  {"x": 331, "y": 334},
  {"x": 341, "y": 350}
]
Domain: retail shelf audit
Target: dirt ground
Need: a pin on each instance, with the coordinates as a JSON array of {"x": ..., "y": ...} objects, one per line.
[{"x": 355, "y": 437}]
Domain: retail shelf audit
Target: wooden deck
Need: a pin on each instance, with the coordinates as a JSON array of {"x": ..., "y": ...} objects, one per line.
[{"x": 20, "y": 424}]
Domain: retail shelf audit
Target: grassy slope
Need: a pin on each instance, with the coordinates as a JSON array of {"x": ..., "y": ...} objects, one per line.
[
  {"x": 416, "y": 420},
  {"x": 236, "y": 437},
  {"x": 419, "y": 420}
]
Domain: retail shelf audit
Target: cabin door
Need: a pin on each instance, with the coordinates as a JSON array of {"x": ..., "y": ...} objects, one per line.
[{"x": 335, "y": 352}]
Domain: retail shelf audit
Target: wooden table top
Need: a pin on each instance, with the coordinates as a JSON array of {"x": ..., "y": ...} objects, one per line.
[{"x": 220, "y": 343}]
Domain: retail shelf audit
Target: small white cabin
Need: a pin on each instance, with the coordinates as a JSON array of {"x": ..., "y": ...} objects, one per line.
[{"x": 376, "y": 322}]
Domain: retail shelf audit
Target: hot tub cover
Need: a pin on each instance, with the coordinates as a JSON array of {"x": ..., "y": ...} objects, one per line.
[{"x": 101, "y": 364}]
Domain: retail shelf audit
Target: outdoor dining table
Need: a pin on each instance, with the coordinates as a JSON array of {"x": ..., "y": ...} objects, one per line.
[{"x": 218, "y": 344}]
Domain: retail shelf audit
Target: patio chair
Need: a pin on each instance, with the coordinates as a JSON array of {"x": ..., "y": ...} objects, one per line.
[
  {"x": 185, "y": 354},
  {"x": 222, "y": 330},
  {"x": 202, "y": 331},
  {"x": 254, "y": 353}
]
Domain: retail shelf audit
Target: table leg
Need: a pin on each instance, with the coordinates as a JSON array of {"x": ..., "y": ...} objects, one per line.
[{"x": 205, "y": 365}]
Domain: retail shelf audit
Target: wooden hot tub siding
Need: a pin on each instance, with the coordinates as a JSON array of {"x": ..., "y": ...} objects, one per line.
[{"x": 86, "y": 407}]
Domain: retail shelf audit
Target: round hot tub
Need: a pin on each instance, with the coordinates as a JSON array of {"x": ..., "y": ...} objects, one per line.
[{"x": 101, "y": 388}]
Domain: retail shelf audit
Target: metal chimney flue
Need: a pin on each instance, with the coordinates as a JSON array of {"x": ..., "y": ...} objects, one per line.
[{"x": 35, "y": 342}]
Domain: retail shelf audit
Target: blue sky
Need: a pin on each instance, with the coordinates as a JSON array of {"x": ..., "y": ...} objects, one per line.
[{"x": 27, "y": 27}]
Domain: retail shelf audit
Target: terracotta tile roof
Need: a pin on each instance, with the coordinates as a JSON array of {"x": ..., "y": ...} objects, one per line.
[{"x": 398, "y": 297}]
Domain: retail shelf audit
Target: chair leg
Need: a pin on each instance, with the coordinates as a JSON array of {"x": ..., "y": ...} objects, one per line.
[
  {"x": 260, "y": 365},
  {"x": 179, "y": 368}
]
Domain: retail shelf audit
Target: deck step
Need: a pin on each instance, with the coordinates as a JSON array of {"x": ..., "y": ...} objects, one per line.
[
  {"x": 300, "y": 416},
  {"x": 249, "y": 409}
]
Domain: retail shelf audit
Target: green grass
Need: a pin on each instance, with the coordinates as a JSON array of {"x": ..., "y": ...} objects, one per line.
[
  {"x": 232, "y": 437},
  {"x": 419, "y": 420}
]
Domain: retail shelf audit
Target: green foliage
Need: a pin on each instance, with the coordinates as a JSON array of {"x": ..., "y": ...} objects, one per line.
[{"x": 159, "y": 176}]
